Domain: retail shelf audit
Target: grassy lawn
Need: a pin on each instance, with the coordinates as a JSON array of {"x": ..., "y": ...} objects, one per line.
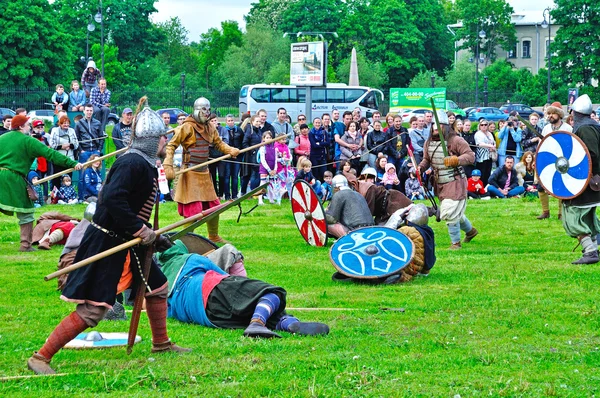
[{"x": 505, "y": 316}]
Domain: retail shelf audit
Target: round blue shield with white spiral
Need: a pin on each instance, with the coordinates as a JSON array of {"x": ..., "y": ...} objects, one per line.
[
  {"x": 563, "y": 165},
  {"x": 371, "y": 252}
]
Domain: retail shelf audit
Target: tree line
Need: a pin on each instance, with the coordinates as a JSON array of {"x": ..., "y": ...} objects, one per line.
[{"x": 400, "y": 43}]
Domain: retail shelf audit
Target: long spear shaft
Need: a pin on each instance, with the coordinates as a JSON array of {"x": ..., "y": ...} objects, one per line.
[
  {"x": 215, "y": 160},
  {"x": 88, "y": 163},
  {"x": 130, "y": 243}
]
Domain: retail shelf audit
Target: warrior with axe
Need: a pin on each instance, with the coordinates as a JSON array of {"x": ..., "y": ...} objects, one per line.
[
  {"x": 446, "y": 153},
  {"x": 123, "y": 210}
]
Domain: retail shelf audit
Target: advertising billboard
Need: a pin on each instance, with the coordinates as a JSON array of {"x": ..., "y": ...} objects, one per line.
[
  {"x": 416, "y": 98},
  {"x": 308, "y": 66}
]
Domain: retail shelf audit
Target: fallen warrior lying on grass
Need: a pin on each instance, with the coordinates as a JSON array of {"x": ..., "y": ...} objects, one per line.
[{"x": 201, "y": 292}]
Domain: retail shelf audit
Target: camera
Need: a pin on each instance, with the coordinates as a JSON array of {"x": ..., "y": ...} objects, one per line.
[{"x": 509, "y": 124}]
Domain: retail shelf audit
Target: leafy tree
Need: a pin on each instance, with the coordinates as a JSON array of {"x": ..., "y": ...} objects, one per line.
[
  {"x": 423, "y": 80},
  {"x": 117, "y": 73},
  {"x": 262, "y": 49},
  {"x": 312, "y": 16},
  {"x": 461, "y": 77},
  {"x": 36, "y": 51},
  {"x": 370, "y": 74},
  {"x": 214, "y": 44},
  {"x": 430, "y": 18},
  {"x": 126, "y": 24},
  {"x": 267, "y": 13},
  {"x": 491, "y": 16},
  {"x": 575, "y": 52},
  {"x": 176, "y": 54}
]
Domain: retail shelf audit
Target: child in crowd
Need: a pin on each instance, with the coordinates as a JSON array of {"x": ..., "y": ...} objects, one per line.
[
  {"x": 305, "y": 174},
  {"x": 92, "y": 180},
  {"x": 285, "y": 172},
  {"x": 76, "y": 98},
  {"x": 59, "y": 98},
  {"x": 380, "y": 164},
  {"x": 345, "y": 166},
  {"x": 66, "y": 193},
  {"x": 326, "y": 186},
  {"x": 412, "y": 187},
  {"x": 268, "y": 170},
  {"x": 475, "y": 188},
  {"x": 390, "y": 178},
  {"x": 32, "y": 177}
]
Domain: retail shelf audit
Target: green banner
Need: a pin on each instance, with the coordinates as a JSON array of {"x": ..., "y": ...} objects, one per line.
[{"x": 416, "y": 98}]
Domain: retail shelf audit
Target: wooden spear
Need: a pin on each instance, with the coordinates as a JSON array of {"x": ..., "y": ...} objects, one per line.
[
  {"x": 215, "y": 160},
  {"x": 131, "y": 243},
  {"x": 88, "y": 163}
]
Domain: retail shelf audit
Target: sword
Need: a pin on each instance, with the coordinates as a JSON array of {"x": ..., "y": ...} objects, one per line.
[
  {"x": 139, "y": 296},
  {"x": 439, "y": 127}
]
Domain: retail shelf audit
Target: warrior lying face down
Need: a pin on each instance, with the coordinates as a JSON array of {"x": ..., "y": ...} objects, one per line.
[{"x": 203, "y": 293}]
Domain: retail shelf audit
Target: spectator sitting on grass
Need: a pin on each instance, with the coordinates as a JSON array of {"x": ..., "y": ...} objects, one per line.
[
  {"x": 475, "y": 188},
  {"x": 92, "y": 180},
  {"x": 66, "y": 193},
  {"x": 503, "y": 182}
]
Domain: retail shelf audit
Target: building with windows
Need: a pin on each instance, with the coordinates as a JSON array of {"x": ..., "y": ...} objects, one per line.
[{"x": 531, "y": 48}]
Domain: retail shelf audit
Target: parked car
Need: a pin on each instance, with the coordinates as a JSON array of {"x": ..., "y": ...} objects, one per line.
[
  {"x": 408, "y": 113},
  {"x": 522, "y": 109},
  {"x": 452, "y": 107},
  {"x": 173, "y": 112},
  {"x": 47, "y": 115},
  {"x": 486, "y": 112},
  {"x": 6, "y": 111}
]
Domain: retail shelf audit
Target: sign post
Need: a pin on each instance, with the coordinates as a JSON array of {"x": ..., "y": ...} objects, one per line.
[{"x": 308, "y": 68}]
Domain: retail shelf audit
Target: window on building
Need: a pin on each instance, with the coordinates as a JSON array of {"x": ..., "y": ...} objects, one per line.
[
  {"x": 526, "y": 48},
  {"x": 512, "y": 53}
]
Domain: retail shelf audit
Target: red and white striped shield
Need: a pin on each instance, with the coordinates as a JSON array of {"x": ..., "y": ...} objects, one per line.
[{"x": 309, "y": 214}]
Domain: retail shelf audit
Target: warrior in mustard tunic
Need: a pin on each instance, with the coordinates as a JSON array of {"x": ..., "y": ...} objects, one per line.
[{"x": 195, "y": 190}]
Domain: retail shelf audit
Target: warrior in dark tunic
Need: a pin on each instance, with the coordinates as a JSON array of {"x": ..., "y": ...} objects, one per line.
[{"x": 123, "y": 211}]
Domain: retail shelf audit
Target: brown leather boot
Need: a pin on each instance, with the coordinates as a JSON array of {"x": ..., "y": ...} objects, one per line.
[
  {"x": 544, "y": 215},
  {"x": 455, "y": 246},
  {"x": 212, "y": 227},
  {"x": 26, "y": 236},
  {"x": 40, "y": 365},
  {"x": 470, "y": 235},
  {"x": 168, "y": 346}
]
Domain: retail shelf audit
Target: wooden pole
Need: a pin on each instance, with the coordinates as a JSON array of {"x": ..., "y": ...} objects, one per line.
[
  {"x": 131, "y": 243},
  {"x": 215, "y": 160},
  {"x": 88, "y": 163}
]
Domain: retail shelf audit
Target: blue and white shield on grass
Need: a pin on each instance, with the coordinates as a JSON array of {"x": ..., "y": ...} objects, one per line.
[
  {"x": 563, "y": 165},
  {"x": 372, "y": 252}
]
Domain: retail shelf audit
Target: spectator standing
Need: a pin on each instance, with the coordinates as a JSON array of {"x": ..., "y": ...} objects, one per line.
[
  {"x": 64, "y": 140},
  {"x": 531, "y": 138},
  {"x": 281, "y": 125},
  {"x": 236, "y": 138},
  {"x": 220, "y": 167},
  {"x": 121, "y": 133},
  {"x": 378, "y": 142},
  {"x": 353, "y": 151},
  {"x": 428, "y": 123},
  {"x": 77, "y": 98},
  {"x": 510, "y": 137},
  {"x": 468, "y": 136},
  {"x": 319, "y": 142},
  {"x": 42, "y": 164},
  {"x": 250, "y": 171},
  {"x": 339, "y": 129},
  {"x": 89, "y": 77},
  {"x": 400, "y": 143},
  {"x": 303, "y": 143},
  {"x": 5, "y": 124},
  {"x": 486, "y": 149},
  {"x": 100, "y": 99},
  {"x": 418, "y": 137},
  {"x": 90, "y": 138}
]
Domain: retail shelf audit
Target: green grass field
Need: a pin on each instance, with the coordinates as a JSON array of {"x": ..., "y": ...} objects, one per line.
[{"x": 505, "y": 316}]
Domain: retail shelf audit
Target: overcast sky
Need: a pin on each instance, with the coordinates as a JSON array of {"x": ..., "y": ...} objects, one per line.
[{"x": 198, "y": 16}]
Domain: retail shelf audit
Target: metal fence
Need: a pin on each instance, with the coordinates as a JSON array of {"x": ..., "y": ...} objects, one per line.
[{"x": 222, "y": 102}]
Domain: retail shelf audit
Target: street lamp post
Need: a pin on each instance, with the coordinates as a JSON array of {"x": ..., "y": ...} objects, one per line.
[
  {"x": 480, "y": 36},
  {"x": 99, "y": 19},
  {"x": 90, "y": 28},
  {"x": 485, "y": 91},
  {"x": 549, "y": 25}
]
